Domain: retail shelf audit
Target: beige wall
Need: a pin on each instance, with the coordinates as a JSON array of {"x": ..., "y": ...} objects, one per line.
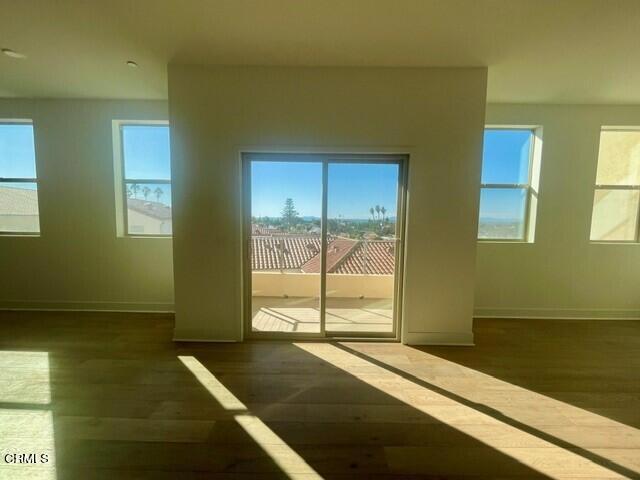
[
  {"x": 562, "y": 274},
  {"x": 145, "y": 224},
  {"x": 436, "y": 114},
  {"x": 77, "y": 261},
  {"x": 276, "y": 284}
]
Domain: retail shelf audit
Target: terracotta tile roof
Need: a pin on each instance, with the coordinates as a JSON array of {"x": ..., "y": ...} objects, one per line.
[
  {"x": 288, "y": 252},
  {"x": 262, "y": 230},
  {"x": 377, "y": 257},
  {"x": 302, "y": 253},
  {"x": 337, "y": 250}
]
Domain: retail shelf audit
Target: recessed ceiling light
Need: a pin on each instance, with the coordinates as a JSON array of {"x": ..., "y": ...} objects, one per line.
[
  {"x": 132, "y": 64},
  {"x": 13, "y": 54}
]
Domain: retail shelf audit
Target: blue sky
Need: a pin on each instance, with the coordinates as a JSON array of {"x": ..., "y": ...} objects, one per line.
[
  {"x": 273, "y": 182},
  {"x": 17, "y": 151},
  {"x": 146, "y": 151},
  {"x": 147, "y": 156},
  {"x": 505, "y": 160},
  {"x": 506, "y": 156},
  {"x": 353, "y": 188}
]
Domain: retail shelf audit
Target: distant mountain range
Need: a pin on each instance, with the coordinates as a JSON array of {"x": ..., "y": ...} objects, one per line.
[{"x": 498, "y": 220}]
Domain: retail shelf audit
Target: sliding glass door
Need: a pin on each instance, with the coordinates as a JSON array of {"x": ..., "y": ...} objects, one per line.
[
  {"x": 286, "y": 208},
  {"x": 362, "y": 240},
  {"x": 323, "y": 242}
]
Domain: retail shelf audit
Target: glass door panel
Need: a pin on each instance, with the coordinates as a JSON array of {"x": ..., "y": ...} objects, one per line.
[
  {"x": 285, "y": 246},
  {"x": 362, "y": 239}
]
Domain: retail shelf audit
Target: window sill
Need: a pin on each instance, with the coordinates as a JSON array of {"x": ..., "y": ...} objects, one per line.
[
  {"x": 614, "y": 242},
  {"x": 163, "y": 237},
  {"x": 19, "y": 234},
  {"x": 504, "y": 241}
]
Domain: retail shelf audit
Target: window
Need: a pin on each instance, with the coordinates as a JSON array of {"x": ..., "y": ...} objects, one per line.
[
  {"x": 509, "y": 190},
  {"x": 145, "y": 178},
  {"x": 18, "y": 183},
  {"x": 616, "y": 200}
]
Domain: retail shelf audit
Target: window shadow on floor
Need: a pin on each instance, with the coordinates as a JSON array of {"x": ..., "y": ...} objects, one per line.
[
  {"x": 591, "y": 365},
  {"x": 339, "y": 424},
  {"x": 511, "y": 421},
  {"x": 124, "y": 405}
]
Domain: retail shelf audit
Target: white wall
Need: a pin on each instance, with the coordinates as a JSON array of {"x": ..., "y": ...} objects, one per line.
[
  {"x": 562, "y": 274},
  {"x": 77, "y": 261},
  {"x": 436, "y": 114}
]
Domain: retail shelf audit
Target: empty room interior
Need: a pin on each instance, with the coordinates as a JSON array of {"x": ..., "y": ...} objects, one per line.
[{"x": 321, "y": 239}]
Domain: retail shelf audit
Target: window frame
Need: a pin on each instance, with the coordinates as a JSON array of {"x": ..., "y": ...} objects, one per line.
[
  {"x": 603, "y": 186},
  {"x": 531, "y": 187},
  {"x": 12, "y": 233},
  {"x": 122, "y": 211}
]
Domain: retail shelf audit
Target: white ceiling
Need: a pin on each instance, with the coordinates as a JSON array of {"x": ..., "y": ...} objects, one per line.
[{"x": 551, "y": 51}]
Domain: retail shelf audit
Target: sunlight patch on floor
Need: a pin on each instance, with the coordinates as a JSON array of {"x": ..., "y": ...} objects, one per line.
[
  {"x": 24, "y": 377},
  {"x": 531, "y": 450},
  {"x": 287, "y": 459},
  {"x": 493, "y": 392},
  {"x": 27, "y": 442}
]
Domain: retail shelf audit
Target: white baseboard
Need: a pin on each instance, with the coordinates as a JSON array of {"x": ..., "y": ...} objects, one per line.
[
  {"x": 461, "y": 339},
  {"x": 557, "y": 313},
  {"x": 116, "y": 307}
]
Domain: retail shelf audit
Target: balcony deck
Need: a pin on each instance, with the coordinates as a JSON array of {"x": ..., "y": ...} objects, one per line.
[{"x": 302, "y": 314}]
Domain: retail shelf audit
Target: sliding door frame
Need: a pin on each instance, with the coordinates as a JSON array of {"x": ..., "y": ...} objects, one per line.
[{"x": 325, "y": 158}]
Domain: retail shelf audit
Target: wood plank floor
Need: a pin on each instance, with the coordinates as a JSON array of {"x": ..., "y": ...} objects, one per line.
[{"x": 111, "y": 396}]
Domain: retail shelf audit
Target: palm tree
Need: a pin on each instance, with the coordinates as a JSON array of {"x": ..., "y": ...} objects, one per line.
[
  {"x": 146, "y": 191},
  {"x": 158, "y": 192},
  {"x": 135, "y": 188},
  {"x": 371, "y": 211},
  {"x": 383, "y": 210},
  {"x": 378, "y": 210}
]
